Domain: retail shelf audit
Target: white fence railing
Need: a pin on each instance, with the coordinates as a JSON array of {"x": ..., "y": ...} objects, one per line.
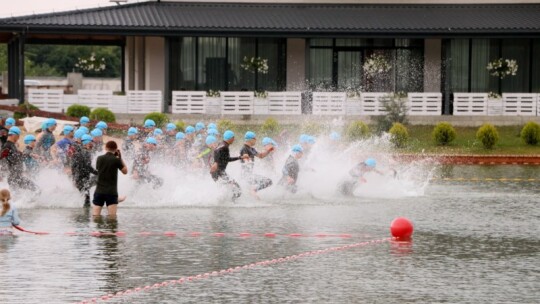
[
  {"x": 520, "y": 104},
  {"x": 188, "y": 102},
  {"x": 46, "y": 100},
  {"x": 470, "y": 104},
  {"x": 285, "y": 103},
  {"x": 329, "y": 103},
  {"x": 237, "y": 103},
  {"x": 424, "y": 104}
]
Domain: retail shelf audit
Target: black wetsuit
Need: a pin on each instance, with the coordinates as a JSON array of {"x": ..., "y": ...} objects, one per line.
[
  {"x": 222, "y": 157},
  {"x": 290, "y": 169},
  {"x": 14, "y": 159},
  {"x": 258, "y": 181},
  {"x": 348, "y": 186},
  {"x": 140, "y": 165},
  {"x": 44, "y": 144},
  {"x": 128, "y": 147},
  {"x": 82, "y": 171}
]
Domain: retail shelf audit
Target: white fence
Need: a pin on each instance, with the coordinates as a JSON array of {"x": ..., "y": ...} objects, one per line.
[
  {"x": 285, "y": 103},
  {"x": 237, "y": 103},
  {"x": 519, "y": 104},
  {"x": 188, "y": 102},
  {"x": 329, "y": 103},
  {"x": 424, "y": 104},
  {"x": 470, "y": 104}
]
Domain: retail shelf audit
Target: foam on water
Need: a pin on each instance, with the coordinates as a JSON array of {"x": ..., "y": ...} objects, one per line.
[{"x": 322, "y": 170}]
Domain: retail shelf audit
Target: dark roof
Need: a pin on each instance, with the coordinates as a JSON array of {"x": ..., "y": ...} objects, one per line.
[{"x": 177, "y": 18}]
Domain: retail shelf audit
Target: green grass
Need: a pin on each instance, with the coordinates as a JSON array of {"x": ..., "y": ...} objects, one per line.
[{"x": 465, "y": 143}]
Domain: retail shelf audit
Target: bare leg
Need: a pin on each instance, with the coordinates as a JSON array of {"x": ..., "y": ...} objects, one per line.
[
  {"x": 96, "y": 210},
  {"x": 111, "y": 209},
  {"x": 121, "y": 198}
]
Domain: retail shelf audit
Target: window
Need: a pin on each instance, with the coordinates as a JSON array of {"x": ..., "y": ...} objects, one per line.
[
  {"x": 337, "y": 64},
  {"x": 214, "y": 63}
]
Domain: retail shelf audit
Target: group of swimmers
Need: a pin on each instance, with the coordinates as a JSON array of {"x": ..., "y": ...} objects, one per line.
[{"x": 200, "y": 146}]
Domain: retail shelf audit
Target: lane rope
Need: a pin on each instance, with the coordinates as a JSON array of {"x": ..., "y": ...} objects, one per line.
[
  {"x": 207, "y": 275},
  {"x": 485, "y": 179},
  {"x": 201, "y": 234}
]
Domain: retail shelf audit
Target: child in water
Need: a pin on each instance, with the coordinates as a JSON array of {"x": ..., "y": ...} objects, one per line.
[{"x": 8, "y": 215}]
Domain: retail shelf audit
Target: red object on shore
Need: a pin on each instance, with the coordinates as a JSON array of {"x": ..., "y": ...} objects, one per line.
[{"x": 401, "y": 228}]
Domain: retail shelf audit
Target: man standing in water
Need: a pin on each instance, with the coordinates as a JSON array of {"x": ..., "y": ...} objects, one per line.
[
  {"x": 222, "y": 157},
  {"x": 106, "y": 193},
  {"x": 257, "y": 182}
]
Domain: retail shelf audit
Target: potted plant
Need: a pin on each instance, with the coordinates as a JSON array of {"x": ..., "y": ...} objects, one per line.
[
  {"x": 260, "y": 102},
  {"x": 353, "y": 103},
  {"x": 213, "y": 102},
  {"x": 495, "y": 104}
]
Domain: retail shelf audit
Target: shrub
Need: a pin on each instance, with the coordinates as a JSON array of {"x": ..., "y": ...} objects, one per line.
[
  {"x": 530, "y": 134},
  {"x": 224, "y": 125},
  {"x": 311, "y": 128},
  {"x": 180, "y": 125},
  {"x": 159, "y": 118},
  {"x": 357, "y": 130},
  {"x": 396, "y": 109},
  {"x": 270, "y": 127},
  {"x": 488, "y": 135},
  {"x": 77, "y": 110},
  {"x": 102, "y": 114},
  {"x": 399, "y": 135},
  {"x": 444, "y": 133},
  {"x": 23, "y": 110}
]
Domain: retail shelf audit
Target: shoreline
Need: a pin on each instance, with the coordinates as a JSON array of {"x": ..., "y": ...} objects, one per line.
[{"x": 472, "y": 159}]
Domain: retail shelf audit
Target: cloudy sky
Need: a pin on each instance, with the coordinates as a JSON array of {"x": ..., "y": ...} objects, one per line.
[{"x": 28, "y": 7}]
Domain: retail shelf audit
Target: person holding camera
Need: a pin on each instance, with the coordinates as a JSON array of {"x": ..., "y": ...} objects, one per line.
[{"x": 106, "y": 193}]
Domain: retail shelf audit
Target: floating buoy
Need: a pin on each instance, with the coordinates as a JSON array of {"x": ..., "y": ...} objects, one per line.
[{"x": 401, "y": 228}]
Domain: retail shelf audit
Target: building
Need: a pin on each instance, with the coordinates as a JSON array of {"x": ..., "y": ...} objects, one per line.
[{"x": 432, "y": 46}]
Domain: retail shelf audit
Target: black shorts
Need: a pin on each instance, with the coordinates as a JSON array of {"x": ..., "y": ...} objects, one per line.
[{"x": 102, "y": 199}]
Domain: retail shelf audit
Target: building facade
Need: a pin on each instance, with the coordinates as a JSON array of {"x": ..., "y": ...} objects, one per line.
[{"x": 429, "y": 46}]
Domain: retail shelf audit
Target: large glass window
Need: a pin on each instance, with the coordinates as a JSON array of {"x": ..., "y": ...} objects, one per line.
[
  {"x": 337, "y": 64},
  {"x": 468, "y": 59},
  {"x": 215, "y": 63}
]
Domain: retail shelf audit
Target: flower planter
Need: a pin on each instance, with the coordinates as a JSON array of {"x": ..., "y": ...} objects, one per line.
[
  {"x": 353, "y": 106},
  {"x": 260, "y": 106},
  {"x": 213, "y": 105},
  {"x": 495, "y": 107}
]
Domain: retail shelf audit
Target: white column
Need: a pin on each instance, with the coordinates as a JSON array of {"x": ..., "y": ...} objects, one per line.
[
  {"x": 296, "y": 64},
  {"x": 155, "y": 64},
  {"x": 432, "y": 65}
]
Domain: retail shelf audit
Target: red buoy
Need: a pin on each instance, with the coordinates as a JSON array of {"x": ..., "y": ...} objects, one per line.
[{"x": 401, "y": 228}]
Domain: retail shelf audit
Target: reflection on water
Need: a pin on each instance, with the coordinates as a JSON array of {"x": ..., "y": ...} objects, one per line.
[{"x": 473, "y": 243}]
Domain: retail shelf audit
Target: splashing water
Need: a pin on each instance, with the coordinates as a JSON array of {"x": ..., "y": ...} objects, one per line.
[{"x": 325, "y": 166}]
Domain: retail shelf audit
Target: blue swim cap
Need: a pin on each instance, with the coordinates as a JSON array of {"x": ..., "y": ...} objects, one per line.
[
  {"x": 84, "y": 120},
  {"x": 210, "y": 140},
  {"x": 297, "y": 149},
  {"x": 29, "y": 138},
  {"x": 180, "y": 136},
  {"x": 68, "y": 129},
  {"x": 50, "y": 122},
  {"x": 269, "y": 141},
  {"x": 149, "y": 123},
  {"x": 212, "y": 131},
  {"x": 14, "y": 131},
  {"x": 102, "y": 125},
  {"x": 79, "y": 133},
  {"x": 96, "y": 132},
  {"x": 158, "y": 132},
  {"x": 85, "y": 129},
  {"x": 249, "y": 135},
  {"x": 151, "y": 140},
  {"x": 171, "y": 127},
  {"x": 199, "y": 126},
  {"x": 132, "y": 131},
  {"x": 228, "y": 135},
  {"x": 10, "y": 121},
  {"x": 212, "y": 126},
  {"x": 370, "y": 162},
  {"x": 190, "y": 129},
  {"x": 304, "y": 138},
  {"x": 85, "y": 139},
  {"x": 335, "y": 136},
  {"x": 311, "y": 140}
]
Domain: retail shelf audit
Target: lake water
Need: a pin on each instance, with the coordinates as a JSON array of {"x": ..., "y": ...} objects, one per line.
[{"x": 474, "y": 242}]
